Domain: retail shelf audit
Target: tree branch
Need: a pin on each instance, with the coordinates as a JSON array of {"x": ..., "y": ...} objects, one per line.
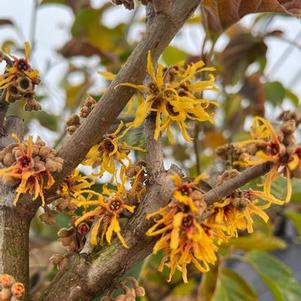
[
  {"x": 14, "y": 220},
  {"x": 86, "y": 276},
  {"x": 161, "y": 31}
]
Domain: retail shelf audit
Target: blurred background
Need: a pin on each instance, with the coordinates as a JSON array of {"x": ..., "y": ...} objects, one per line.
[{"x": 258, "y": 63}]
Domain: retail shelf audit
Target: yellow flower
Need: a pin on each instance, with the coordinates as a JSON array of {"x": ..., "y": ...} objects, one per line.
[
  {"x": 184, "y": 238},
  {"x": 235, "y": 212},
  {"x": 105, "y": 214},
  {"x": 173, "y": 94},
  {"x": 267, "y": 145},
  {"x": 31, "y": 165},
  {"x": 72, "y": 187},
  {"x": 19, "y": 77},
  {"x": 109, "y": 152}
]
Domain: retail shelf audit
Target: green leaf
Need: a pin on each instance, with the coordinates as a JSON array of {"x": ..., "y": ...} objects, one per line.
[
  {"x": 274, "y": 92},
  {"x": 53, "y": 2},
  {"x": 208, "y": 284},
  {"x": 184, "y": 289},
  {"x": 232, "y": 287},
  {"x": 87, "y": 25},
  {"x": 295, "y": 218},
  {"x": 292, "y": 97},
  {"x": 49, "y": 121},
  {"x": 276, "y": 275},
  {"x": 173, "y": 55},
  {"x": 257, "y": 241}
]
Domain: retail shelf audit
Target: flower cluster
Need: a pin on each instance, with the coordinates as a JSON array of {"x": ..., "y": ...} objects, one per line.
[
  {"x": 10, "y": 289},
  {"x": 19, "y": 80},
  {"x": 72, "y": 188},
  {"x": 269, "y": 145},
  {"x": 109, "y": 152},
  {"x": 190, "y": 230},
  {"x": 29, "y": 166},
  {"x": 174, "y": 94},
  {"x": 105, "y": 210}
]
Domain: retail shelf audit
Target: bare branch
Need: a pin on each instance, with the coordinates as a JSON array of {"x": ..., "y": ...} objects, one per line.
[{"x": 243, "y": 178}]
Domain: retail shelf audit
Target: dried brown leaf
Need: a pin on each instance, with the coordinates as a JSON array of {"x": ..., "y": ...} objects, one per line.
[{"x": 220, "y": 14}]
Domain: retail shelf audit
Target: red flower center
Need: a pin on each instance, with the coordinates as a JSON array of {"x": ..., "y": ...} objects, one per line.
[
  {"x": 25, "y": 161},
  {"x": 115, "y": 205},
  {"x": 22, "y": 65}
]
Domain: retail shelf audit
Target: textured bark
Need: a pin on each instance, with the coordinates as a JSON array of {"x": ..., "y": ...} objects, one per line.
[
  {"x": 14, "y": 220},
  {"x": 14, "y": 233}
]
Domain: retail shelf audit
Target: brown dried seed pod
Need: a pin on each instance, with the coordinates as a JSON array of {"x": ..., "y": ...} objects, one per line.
[
  {"x": 24, "y": 84},
  {"x": 52, "y": 165},
  {"x": 71, "y": 129},
  {"x": 90, "y": 101},
  {"x": 5, "y": 294},
  {"x": 9, "y": 159},
  {"x": 64, "y": 232},
  {"x": 84, "y": 112},
  {"x": 140, "y": 291},
  {"x": 18, "y": 289},
  {"x": 288, "y": 127},
  {"x": 49, "y": 217},
  {"x": 73, "y": 120},
  {"x": 44, "y": 151},
  {"x": 40, "y": 142},
  {"x": 32, "y": 105}
]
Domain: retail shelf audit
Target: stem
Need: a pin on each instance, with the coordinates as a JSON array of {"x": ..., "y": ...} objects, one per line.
[{"x": 14, "y": 239}]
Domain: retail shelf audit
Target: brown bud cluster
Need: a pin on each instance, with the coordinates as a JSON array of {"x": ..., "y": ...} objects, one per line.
[
  {"x": 87, "y": 107},
  {"x": 10, "y": 290},
  {"x": 65, "y": 206},
  {"x": 131, "y": 290},
  {"x": 72, "y": 239},
  {"x": 226, "y": 176},
  {"x": 59, "y": 260},
  {"x": 74, "y": 122},
  {"x": 49, "y": 216},
  {"x": 285, "y": 149},
  {"x": 43, "y": 158}
]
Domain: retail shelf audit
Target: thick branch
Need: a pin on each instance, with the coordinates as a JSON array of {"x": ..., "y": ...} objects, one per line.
[
  {"x": 243, "y": 178},
  {"x": 14, "y": 221},
  {"x": 161, "y": 31}
]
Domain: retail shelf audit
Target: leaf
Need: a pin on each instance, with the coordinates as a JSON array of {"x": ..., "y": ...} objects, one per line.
[
  {"x": 49, "y": 121},
  {"x": 77, "y": 46},
  {"x": 253, "y": 89},
  {"x": 184, "y": 289},
  {"x": 4, "y": 22},
  {"x": 276, "y": 275},
  {"x": 220, "y": 14},
  {"x": 257, "y": 241},
  {"x": 292, "y": 97},
  {"x": 208, "y": 284},
  {"x": 242, "y": 50},
  {"x": 274, "y": 92},
  {"x": 295, "y": 218},
  {"x": 173, "y": 55},
  {"x": 87, "y": 26},
  {"x": 232, "y": 287}
]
